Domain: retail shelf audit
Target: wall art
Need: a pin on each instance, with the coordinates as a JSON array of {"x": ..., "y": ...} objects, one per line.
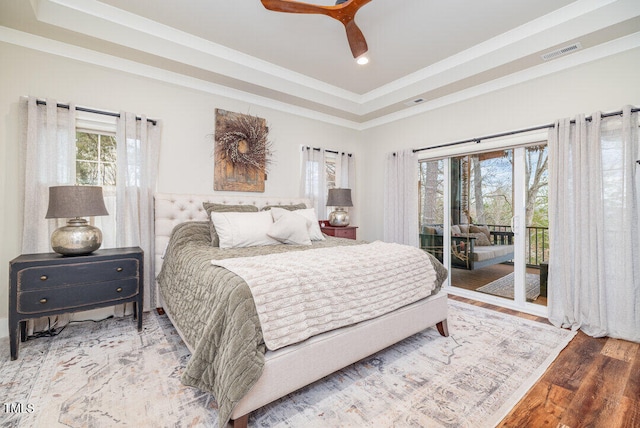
[{"x": 242, "y": 152}]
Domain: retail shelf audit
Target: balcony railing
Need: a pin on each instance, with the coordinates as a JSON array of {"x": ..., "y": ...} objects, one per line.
[{"x": 537, "y": 242}]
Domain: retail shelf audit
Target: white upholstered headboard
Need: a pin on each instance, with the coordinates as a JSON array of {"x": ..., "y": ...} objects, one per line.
[{"x": 172, "y": 209}]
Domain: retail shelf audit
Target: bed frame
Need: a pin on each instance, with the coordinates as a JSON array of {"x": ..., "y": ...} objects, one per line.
[{"x": 293, "y": 367}]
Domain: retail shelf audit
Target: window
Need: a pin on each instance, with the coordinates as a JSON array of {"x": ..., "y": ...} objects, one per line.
[
  {"x": 95, "y": 159},
  {"x": 330, "y": 171},
  {"x": 323, "y": 170}
]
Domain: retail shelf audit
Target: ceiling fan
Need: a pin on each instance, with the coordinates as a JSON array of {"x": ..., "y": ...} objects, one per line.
[{"x": 344, "y": 11}]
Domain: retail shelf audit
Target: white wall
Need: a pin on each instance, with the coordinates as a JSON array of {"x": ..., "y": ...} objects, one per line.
[
  {"x": 186, "y": 162},
  {"x": 604, "y": 85}
]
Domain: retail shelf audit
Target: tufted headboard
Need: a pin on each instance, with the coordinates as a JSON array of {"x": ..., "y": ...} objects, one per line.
[{"x": 172, "y": 209}]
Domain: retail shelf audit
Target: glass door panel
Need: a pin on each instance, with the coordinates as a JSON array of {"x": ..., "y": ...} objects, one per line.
[
  {"x": 431, "y": 204},
  {"x": 481, "y": 212},
  {"x": 536, "y": 222}
]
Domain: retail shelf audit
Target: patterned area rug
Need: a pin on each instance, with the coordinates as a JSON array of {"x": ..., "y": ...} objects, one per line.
[
  {"x": 107, "y": 374},
  {"x": 503, "y": 287}
]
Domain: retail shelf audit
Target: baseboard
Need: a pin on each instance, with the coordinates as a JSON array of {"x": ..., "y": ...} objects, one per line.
[{"x": 4, "y": 327}]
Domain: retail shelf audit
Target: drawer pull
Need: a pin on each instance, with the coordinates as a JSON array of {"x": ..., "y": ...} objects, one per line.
[
  {"x": 44, "y": 278},
  {"x": 119, "y": 269},
  {"x": 43, "y": 301},
  {"x": 119, "y": 289}
]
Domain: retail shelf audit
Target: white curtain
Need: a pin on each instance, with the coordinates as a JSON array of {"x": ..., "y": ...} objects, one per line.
[
  {"x": 48, "y": 144},
  {"x": 346, "y": 179},
  {"x": 594, "y": 225},
  {"x": 401, "y": 198},
  {"x": 49, "y": 149},
  {"x": 313, "y": 179},
  {"x": 138, "y": 148}
]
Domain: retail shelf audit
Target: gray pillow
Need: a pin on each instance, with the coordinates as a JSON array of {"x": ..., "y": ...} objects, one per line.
[
  {"x": 481, "y": 239},
  {"x": 428, "y": 230},
  {"x": 223, "y": 208},
  {"x": 285, "y": 207},
  {"x": 480, "y": 229}
]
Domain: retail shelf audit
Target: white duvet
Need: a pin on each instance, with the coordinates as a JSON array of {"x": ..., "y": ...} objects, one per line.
[{"x": 304, "y": 293}]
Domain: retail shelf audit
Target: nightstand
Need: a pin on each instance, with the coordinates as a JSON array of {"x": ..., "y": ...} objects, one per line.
[
  {"x": 348, "y": 232},
  {"x": 49, "y": 284}
]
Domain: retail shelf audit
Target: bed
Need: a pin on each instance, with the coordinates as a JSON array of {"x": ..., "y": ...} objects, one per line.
[{"x": 214, "y": 311}]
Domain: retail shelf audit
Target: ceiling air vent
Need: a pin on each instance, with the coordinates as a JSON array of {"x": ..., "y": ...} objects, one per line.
[
  {"x": 414, "y": 102},
  {"x": 562, "y": 51}
]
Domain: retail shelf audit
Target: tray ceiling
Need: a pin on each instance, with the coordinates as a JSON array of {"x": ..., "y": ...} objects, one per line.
[{"x": 433, "y": 51}]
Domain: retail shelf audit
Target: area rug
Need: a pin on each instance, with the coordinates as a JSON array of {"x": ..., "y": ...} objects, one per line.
[
  {"x": 107, "y": 374},
  {"x": 503, "y": 287}
]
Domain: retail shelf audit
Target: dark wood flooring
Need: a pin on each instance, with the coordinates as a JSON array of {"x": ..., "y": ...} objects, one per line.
[{"x": 593, "y": 383}]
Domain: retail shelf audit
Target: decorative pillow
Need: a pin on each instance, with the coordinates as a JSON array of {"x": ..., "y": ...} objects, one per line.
[
  {"x": 285, "y": 207},
  {"x": 481, "y": 239},
  {"x": 428, "y": 230},
  {"x": 310, "y": 214},
  {"x": 243, "y": 229},
  {"x": 464, "y": 228},
  {"x": 212, "y": 207},
  {"x": 289, "y": 228},
  {"x": 480, "y": 229},
  {"x": 455, "y": 230}
]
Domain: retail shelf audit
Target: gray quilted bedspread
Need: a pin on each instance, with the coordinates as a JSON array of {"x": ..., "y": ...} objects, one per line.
[{"x": 214, "y": 310}]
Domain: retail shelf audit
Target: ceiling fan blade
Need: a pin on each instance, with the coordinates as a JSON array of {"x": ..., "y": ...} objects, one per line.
[
  {"x": 344, "y": 12},
  {"x": 292, "y": 6},
  {"x": 357, "y": 42},
  {"x": 356, "y": 3}
]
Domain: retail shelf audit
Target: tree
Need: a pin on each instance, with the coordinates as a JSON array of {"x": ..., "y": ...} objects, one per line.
[
  {"x": 431, "y": 192},
  {"x": 536, "y": 170},
  {"x": 95, "y": 159},
  {"x": 477, "y": 190}
]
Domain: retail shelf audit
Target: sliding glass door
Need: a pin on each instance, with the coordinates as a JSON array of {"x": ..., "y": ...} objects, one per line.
[
  {"x": 482, "y": 240},
  {"x": 484, "y": 216}
]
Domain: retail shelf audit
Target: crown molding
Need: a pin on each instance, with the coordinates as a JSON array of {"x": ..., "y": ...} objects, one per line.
[
  {"x": 53, "y": 47},
  {"x": 585, "y": 56},
  {"x": 569, "y": 22},
  {"x": 319, "y": 100},
  {"x": 102, "y": 21},
  {"x": 99, "y": 20}
]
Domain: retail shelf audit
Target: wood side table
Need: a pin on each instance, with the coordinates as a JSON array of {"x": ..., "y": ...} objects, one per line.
[
  {"x": 50, "y": 284},
  {"x": 348, "y": 232}
]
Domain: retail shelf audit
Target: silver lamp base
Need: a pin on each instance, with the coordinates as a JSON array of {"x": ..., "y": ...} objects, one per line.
[
  {"x": 339, "y": 218},
  {"x": 77, "y": 238}
]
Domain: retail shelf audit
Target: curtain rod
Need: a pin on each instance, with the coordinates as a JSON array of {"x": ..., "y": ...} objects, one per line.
[
  {"x": 519, "y": 131},
  {"x": 317, "y": 149},
  {"x": 90, "y": 110}
]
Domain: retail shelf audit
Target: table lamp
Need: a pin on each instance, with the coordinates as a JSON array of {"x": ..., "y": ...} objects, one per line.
[
  {"x": 339, "y": 198},
  {"x": 78, "y": 237}
]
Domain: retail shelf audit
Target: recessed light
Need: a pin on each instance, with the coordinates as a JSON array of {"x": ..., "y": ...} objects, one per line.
[{"x": 362, "y": 60}]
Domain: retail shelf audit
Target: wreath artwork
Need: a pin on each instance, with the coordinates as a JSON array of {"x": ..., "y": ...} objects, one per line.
[{"x": 242, "y": 152}]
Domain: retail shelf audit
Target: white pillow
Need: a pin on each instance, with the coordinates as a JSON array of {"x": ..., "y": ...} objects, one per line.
[
  {"x": 289, "y": 228},
  {"x": 243, "y": 229},
  {"x": 314, "y": 228}
]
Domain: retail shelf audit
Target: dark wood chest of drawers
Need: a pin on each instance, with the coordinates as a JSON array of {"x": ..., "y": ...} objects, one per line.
[{"x": 49, "y": 284}]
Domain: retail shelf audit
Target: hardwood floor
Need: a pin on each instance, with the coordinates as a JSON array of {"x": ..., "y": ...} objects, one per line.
[{"x": 592, "y": 383}]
